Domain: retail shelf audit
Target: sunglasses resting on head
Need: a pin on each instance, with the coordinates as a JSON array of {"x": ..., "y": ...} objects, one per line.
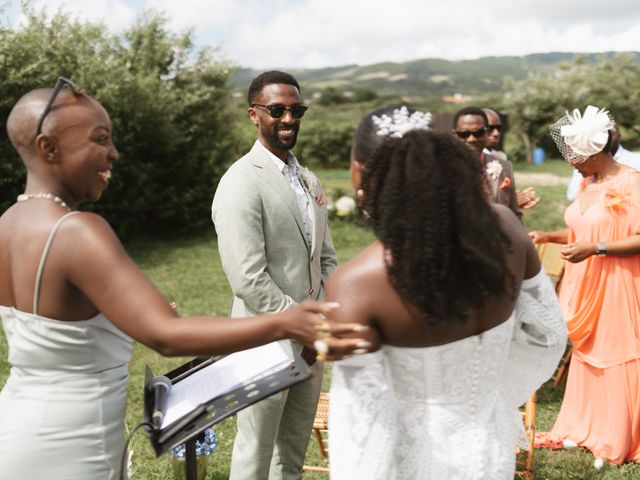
[{"x": 61, "y": 82}]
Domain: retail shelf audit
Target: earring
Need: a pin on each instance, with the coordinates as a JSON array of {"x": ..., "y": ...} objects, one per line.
[{"x": 360, "y": 201}]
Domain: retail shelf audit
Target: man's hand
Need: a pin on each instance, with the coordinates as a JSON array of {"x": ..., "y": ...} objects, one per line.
[
  {"x": 527, "y": 198},
  {"x": 579, "y": 251},
  {"x": 309, "y": 355}
]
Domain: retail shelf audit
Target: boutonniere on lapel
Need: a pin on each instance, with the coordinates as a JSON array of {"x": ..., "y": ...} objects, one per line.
[
  {"x": 506, "y": 183},
  {"x": 494, "y": 169},
  {"x": 312, "y": 185}
]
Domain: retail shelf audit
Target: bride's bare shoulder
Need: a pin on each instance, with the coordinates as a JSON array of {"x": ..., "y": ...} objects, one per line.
[{"x": 366, "y": 266}]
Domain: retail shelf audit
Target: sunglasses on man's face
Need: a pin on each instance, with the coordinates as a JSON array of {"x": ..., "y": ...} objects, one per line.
[
  {"x": 61, "y": 82},
  {"x": 464, "y": 134},
  {"x": 495, "y": 127},
  {"x": 277, "y": 110}
]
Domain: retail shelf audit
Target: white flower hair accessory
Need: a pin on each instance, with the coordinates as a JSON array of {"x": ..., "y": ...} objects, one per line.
[
  {"x": 578, "y": 136},
  {"x": 400, "y": 122}
]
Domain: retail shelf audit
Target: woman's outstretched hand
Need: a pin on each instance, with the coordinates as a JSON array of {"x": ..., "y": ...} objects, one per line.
[
  {"x": 307, "y": 322},
  {"x": 537, "y": 236}
]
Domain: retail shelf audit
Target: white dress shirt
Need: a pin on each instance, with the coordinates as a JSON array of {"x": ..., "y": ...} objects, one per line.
[{"x": 291, "y": 170}]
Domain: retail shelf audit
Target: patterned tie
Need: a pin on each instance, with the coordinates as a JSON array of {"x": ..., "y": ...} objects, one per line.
[{"x": 302, "y": 199}]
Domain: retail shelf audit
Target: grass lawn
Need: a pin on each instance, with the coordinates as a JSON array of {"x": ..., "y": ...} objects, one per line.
[{"x": 189, "y": 273}]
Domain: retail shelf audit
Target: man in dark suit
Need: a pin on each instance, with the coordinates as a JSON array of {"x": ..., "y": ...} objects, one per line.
[
  {"x": 527, "y": 198},
  {"x": 470, "y": 125}
]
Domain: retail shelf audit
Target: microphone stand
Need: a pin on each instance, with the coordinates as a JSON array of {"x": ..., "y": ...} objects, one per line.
[
  {"x": 190, "y": 458},
  {"x": 191, "y": 461}
]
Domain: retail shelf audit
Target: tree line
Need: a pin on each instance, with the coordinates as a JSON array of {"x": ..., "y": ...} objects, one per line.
[
  {"x": 536, "y": 102},
  {"x": 168, "y": 103}
]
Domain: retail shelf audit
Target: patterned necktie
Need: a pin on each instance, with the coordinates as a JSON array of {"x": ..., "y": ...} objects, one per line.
[{"x": 302, "y": 199}]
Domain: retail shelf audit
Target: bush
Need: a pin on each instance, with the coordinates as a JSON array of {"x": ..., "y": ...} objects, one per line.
[
  {"x": 331, "y": 96},
  {"x": 167, "y": 103},
  {"x": 324, "y": 144}
]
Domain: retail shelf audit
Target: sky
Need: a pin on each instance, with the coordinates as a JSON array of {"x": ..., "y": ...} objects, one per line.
[{"x": 318, "y": 33}]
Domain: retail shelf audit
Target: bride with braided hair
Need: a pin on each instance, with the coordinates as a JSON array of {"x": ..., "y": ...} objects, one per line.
[{"x": 465, "y": 322}]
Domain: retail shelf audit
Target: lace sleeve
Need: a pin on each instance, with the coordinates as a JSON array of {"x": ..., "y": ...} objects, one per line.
[
  {"x": 362, "y": 422},
  {"x": 539, "y": 338}
]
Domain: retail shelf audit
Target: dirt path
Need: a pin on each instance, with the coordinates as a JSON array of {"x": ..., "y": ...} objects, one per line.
[{"x": 526, "y": 179}]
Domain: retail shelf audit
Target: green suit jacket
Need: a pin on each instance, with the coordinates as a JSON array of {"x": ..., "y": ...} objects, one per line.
[{"x": 261, "y": 241}]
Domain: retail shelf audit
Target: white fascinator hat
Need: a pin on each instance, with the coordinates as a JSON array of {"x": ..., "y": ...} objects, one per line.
[{"x": 578, "y": 136}]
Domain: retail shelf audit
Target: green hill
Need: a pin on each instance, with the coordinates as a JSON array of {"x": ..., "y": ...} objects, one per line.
[{"x": 430, "y": 77}]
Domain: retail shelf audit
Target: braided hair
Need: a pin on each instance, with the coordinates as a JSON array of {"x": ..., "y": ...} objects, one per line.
[{"x": 446, "y": 253}]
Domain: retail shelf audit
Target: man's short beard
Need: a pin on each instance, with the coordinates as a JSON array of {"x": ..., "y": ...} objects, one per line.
[{"x": 275, "y": 141}]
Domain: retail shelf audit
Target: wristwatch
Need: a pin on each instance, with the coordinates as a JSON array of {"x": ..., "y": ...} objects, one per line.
[{"x": 601, "y": 248}]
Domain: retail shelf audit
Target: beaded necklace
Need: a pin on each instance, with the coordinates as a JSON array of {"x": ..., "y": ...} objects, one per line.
[{"x": 49, "y": 196}]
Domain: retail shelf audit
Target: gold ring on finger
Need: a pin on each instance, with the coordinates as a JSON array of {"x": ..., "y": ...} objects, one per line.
[{"x": 324, "y": 328}]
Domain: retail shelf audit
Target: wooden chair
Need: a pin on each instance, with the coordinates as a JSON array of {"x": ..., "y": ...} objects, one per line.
[
  {"x": 524, "y": 458},
  {"x": 560, "y": 376},
  {"x": 552, "y": 263},
  {"x": 320, "y": 428},
  {"x": 554, "y": 266}
]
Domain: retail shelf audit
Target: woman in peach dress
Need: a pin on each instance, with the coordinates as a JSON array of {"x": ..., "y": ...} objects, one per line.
[{"x": 600, "y": 296}]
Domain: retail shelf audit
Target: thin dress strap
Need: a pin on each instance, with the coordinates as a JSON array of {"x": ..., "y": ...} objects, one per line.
[{"x": 47, "y": 246}]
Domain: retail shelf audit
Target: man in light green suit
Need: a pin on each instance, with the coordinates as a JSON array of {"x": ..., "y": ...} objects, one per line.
[{"x": 271, "y": 219}]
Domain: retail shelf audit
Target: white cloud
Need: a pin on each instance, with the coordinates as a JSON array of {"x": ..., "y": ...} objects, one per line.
[
  {"x": 314, "y": 33},
  {"x": 317, "y": 33}
]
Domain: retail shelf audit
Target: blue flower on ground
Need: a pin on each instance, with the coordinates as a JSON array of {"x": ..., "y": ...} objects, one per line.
[{"x": 206, "y": 447}]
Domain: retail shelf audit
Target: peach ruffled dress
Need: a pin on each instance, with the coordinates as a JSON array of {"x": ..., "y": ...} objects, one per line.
[{"x": 600, "y": 300}]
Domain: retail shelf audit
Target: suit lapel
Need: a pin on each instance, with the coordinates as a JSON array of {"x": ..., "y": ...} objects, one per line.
[
  {"x": 274, "y": 178},
  {"x": 318, "y": 222}
]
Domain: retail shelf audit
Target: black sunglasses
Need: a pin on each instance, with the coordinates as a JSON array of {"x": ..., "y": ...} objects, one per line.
[
  {"x": 491, "y": 128},
  {"x": 61, "y": 82},
  {"x": 277, "y": 110},
  {"x": 467, "y": 133}
]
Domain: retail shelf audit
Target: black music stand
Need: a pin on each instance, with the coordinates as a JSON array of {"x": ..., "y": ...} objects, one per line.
[{"x": 190, "y": 427}]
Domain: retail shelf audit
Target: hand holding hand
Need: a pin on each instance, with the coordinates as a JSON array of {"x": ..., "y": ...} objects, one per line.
[
  {"x": 307, "y": 322},
  {"x": 527, "y": 198},
  {"x": 577, "y": 252}
]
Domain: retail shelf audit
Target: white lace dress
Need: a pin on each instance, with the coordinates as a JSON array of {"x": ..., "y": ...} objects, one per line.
[{"x": 445, "y": 412}]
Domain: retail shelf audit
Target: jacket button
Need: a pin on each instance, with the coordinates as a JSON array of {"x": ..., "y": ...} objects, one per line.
[
  {"x": 312, "y": 258},
  {"x": 311, "y": 291}
]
